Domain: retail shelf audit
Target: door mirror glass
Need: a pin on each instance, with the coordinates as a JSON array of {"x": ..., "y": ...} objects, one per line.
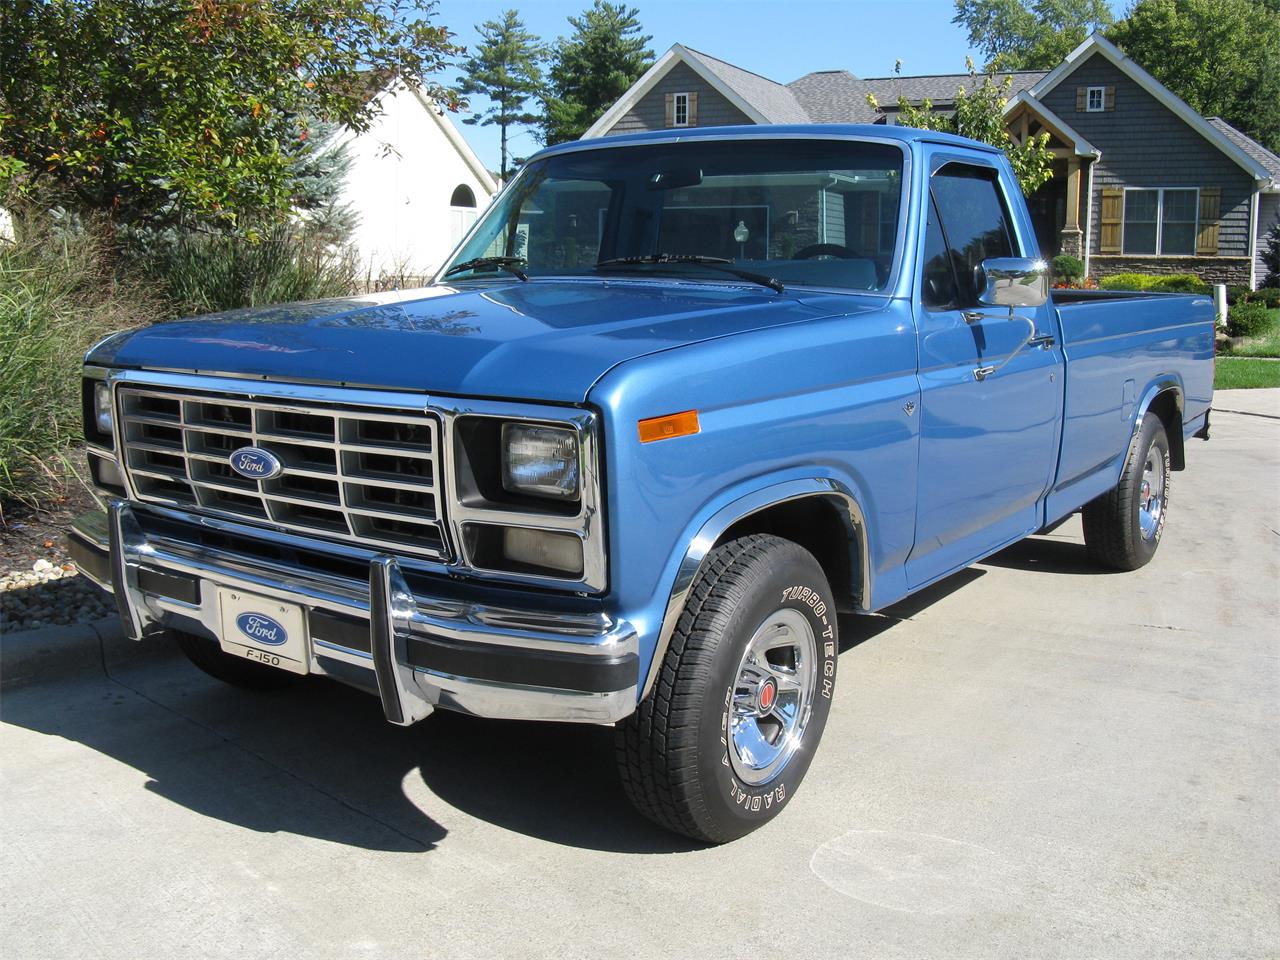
[{"x": 1013, "y": 282}]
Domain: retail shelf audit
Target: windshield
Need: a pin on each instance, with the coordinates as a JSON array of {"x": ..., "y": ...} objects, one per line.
[{"x": 811, "y": 212}]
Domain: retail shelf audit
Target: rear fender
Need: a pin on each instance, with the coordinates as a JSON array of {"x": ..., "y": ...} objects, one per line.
[{"x": 1165, "y": 395}]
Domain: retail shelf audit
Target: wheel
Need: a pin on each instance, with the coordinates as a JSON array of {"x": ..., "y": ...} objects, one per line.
[
  {"x": 743, "y": 695},
  {"x": 1122, "y": 527},
  {"x": 213, "y": 660}
]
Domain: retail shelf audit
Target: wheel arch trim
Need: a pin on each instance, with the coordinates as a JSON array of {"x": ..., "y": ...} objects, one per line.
[
  {"x": 700, "y": 546},
  {"x": 1165, "y": 383}
]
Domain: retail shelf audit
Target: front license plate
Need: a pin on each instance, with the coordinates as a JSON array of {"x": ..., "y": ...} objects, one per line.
[{"x": 265, "y": 630}]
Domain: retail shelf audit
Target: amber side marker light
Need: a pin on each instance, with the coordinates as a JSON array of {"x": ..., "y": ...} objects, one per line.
[{"x": 672, "y": 425}]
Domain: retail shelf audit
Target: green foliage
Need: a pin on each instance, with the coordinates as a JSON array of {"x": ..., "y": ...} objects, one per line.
[
  {"x": 593, "y": 68},
  {"x": 1068, "y": 267},
  {"x": 58, "y": 297},
  {"x": 1029, "y": 34},
  {"x": 1220, "y": 56},
  {"x": 1237, "y": 374},
  {"x": 1265, "y": 343},
  {"x": 1270, "y": 296},
  {"x": 206, "y": 273},
  {"x": 1271, "y": 256},
  {"x": 1155, "y": 283},
  {"x": 1248, "y": 320},
  {"x": 168, "y": 111},
  {"x": 507, "y": 69},
  {"x": 1180, "y": 283},
  {"x": 979, "y": 115}
]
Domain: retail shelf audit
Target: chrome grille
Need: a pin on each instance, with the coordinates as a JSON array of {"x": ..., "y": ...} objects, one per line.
[{"x": 366, "y": 475}]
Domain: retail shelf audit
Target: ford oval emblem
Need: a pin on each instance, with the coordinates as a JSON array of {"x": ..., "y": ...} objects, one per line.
[
  {"x": 256, "y": 463},
  {"x": 260, "y": 628}
]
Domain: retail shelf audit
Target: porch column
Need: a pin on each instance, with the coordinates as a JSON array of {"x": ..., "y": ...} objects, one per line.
[{"x": 1072, "y": 239}]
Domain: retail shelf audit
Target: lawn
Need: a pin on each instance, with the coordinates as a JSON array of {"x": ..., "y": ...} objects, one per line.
[{"x": 1235, "y": 373}]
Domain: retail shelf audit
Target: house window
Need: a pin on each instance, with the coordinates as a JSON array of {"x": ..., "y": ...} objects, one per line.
[
  {"x": 680, "y": 110},
  {"x": 463, "y": 196},
  {"x": 1161, "y": 221},
  {"x": 462, "y": 212},
  {"x": 1095, "y": 99}
]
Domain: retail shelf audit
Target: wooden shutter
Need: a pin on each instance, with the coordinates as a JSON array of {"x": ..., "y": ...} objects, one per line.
[
  {"x": 1112, "y": 220},
  {"x": 671, "y": 109},
  {"x": 1109, "y": 98},
  {"x": 1210, "y": 208},
  {"x": 693, "y": 110},
  {"x": 1082, "y": 99}
]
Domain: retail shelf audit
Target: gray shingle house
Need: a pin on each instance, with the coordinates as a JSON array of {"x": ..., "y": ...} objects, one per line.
[{"x": 1141, "y": 181}]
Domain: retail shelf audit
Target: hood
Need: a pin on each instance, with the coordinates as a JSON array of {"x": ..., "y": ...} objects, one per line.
[{"x": 542, "y": 340}]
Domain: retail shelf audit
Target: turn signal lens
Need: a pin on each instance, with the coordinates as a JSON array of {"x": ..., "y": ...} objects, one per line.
[{"x": 672, "y": 425}]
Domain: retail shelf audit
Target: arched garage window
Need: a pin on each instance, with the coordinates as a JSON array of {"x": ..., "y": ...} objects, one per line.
[{"x": 462, "y": 211}]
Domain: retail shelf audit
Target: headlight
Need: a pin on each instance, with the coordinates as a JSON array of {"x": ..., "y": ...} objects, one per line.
[
  {"x": 540, "y": 460},
  {"x": 102, "y": 407}
]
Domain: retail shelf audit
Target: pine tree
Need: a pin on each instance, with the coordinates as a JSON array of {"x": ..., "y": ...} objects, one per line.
[
  {"x": 506, "y": 69},
  {"x": 590, "y": 70}
]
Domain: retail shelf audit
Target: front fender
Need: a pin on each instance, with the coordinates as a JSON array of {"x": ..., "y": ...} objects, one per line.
[{"x": 727, "y": 509}]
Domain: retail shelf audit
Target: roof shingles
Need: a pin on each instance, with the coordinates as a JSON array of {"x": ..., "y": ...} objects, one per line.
[{"x": 1250, "y": 146}]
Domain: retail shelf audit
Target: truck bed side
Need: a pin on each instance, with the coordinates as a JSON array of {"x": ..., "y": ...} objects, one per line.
[{"x": 1123, "y": 349}]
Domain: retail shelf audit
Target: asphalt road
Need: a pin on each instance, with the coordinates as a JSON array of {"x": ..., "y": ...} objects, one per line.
[{"x": 1033, "y": 760}]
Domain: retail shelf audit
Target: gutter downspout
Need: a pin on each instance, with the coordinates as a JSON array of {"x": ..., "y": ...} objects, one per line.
[
  {"x": 1254, "y": 227},
  {"x": 1088, "y": 212}
]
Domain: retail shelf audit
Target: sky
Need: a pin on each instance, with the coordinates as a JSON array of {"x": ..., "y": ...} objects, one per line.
[{"x": 781, "y": 40}]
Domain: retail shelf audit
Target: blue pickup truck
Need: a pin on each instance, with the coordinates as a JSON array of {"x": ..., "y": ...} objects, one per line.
[{"x": 676, "y": 402}]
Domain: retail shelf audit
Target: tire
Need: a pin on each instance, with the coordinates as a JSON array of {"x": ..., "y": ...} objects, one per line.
[
  {"x": 217, "y": 663},
  {"x": 1122, "y": 528},
  {"x": 685, "y": 756}
]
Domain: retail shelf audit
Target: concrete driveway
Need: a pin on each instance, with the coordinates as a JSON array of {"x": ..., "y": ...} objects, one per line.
[{"x": 1035, "y": 759}]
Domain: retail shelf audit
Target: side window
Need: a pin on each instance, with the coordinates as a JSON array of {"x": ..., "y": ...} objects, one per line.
[
  {"x": 938, "y": 281},
  {"x": 974, "y": 221}
]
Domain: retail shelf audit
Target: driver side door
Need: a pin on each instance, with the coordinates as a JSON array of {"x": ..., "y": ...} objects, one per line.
[{"x": 988, "y": 446}]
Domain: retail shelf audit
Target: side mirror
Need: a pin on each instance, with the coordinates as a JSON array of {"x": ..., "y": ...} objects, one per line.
[{"x": 1013, "y": 282}]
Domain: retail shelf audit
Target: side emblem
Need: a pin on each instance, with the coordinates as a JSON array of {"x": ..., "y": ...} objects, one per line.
[
  {"x": 910, "y": 407},
  {"x": 260, "y": 628},
  {"x": 256, "y": 463}
]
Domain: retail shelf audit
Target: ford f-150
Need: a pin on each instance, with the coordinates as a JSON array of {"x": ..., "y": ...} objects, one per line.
[{"x": 676, "y": 402}]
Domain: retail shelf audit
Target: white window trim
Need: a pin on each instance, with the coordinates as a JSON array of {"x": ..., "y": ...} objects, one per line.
[
  {"x": 1088, "y": 99},
  {"x": 675, "y": 109},
  {"x": 1160, "y": 222}
]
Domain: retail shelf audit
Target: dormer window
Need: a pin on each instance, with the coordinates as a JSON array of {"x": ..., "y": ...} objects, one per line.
[
  {"x": 680, "y": 110},
  {"x": 1095, "y": 99}
]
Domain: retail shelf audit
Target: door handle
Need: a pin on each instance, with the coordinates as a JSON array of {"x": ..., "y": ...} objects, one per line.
[{"x": 1045, "y": 341}]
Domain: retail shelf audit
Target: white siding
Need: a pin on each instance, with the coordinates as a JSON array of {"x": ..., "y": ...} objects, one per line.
[{"x": 403, "y": 173}]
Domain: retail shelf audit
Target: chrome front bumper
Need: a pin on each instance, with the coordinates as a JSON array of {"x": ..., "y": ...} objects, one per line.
[{"x": 418, "y": 651}]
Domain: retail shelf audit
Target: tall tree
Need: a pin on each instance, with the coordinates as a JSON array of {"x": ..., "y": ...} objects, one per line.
[
  {"x": 591, "y": 69},
  {"x": 161, "y": 111},
  {"x": 979, "y": 115},
  {"x": 507, "y": 70},
  {"x": 1029, "y": 34},
  {"x": 1221, "y": 56}
]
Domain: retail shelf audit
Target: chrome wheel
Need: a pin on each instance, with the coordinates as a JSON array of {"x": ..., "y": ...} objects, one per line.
[
  {"x": 772, "y": 696},
  {"x": 1151, "y": 493}
]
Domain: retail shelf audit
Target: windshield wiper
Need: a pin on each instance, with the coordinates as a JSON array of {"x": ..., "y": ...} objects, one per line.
[
  {"x": 509, "y": 264},
  {"x": 713, "y": 263}
]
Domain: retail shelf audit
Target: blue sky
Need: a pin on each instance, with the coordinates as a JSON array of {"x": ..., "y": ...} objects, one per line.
[{"x": 782, "y": 40}]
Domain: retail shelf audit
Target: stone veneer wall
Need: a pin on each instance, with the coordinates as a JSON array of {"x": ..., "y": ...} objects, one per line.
[{"x": 1230, "y": 270}]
